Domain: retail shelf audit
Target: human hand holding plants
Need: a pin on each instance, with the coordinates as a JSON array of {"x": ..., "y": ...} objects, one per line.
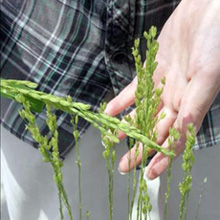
[{"x": 188, "y": 58}]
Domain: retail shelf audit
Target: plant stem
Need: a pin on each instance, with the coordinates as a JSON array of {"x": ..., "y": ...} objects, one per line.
[
  {"x": 45, "y": 146},
  {"x": 99, "y": 120},
  {"x": 74, "y": 122},
  {"x": 188, "y": 160},
  {"x": 134, "y": 180},
  {"x": 200, "y": 198},
  {"x": 173, "y": 138},
  {"x": 129, "y": 182}
]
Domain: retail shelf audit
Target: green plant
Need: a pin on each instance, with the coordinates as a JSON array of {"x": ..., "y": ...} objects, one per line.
[
  {"x": 74, "y": 122},
  {"x": 173, "y": 138},
  {"x": 200, "y": 197},
  {"x": 46, "y": 145},
  {"x": 146, "y": 102},
  {"x": 188, "y": 160},
  {"x": 109, "y": 155},
  {"x": 141, "y": 131},
  {"x": 11, "y": 88}
]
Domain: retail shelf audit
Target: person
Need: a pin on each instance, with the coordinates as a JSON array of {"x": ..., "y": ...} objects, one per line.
[
  {"x": 188, "y": 57},
  {"x": 83, "y": 48}
]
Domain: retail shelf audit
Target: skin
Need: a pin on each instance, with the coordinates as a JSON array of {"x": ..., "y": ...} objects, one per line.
[{"x": 189, "y": 58}]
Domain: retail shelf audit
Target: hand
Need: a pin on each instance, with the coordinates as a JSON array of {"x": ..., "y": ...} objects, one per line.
[{"x": 189, "y": 58}]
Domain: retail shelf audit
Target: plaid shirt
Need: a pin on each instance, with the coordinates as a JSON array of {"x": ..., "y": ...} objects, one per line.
[{"x": 81, "y": 48}]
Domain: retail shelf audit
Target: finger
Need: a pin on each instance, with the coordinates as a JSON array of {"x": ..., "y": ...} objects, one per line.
[
  {"x": 129, "y": 161},
  {"x": 196, "y": 101},
  {"x": 125, "y": 99},
  {"x": 121, "y": 134},
  {"x": 160, "y": 162},
  {"x": 164, "y": 124},
  {"x": 163, "y": 130}
]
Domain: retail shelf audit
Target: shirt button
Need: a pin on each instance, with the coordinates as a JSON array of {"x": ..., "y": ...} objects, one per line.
[
  {"x": 119, "y": 57},
  {"x": 121, "y": 61}
]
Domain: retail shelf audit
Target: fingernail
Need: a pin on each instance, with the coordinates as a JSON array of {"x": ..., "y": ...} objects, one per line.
[
  {"x": 146, "y": 177},
  {"x": 122, "y": 165},
  {"x": 151, "y": 174},
  {"x": 122, "y": 173}
]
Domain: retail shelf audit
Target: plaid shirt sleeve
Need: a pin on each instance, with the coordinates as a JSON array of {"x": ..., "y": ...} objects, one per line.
[{"x": 80, "y": 48}]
